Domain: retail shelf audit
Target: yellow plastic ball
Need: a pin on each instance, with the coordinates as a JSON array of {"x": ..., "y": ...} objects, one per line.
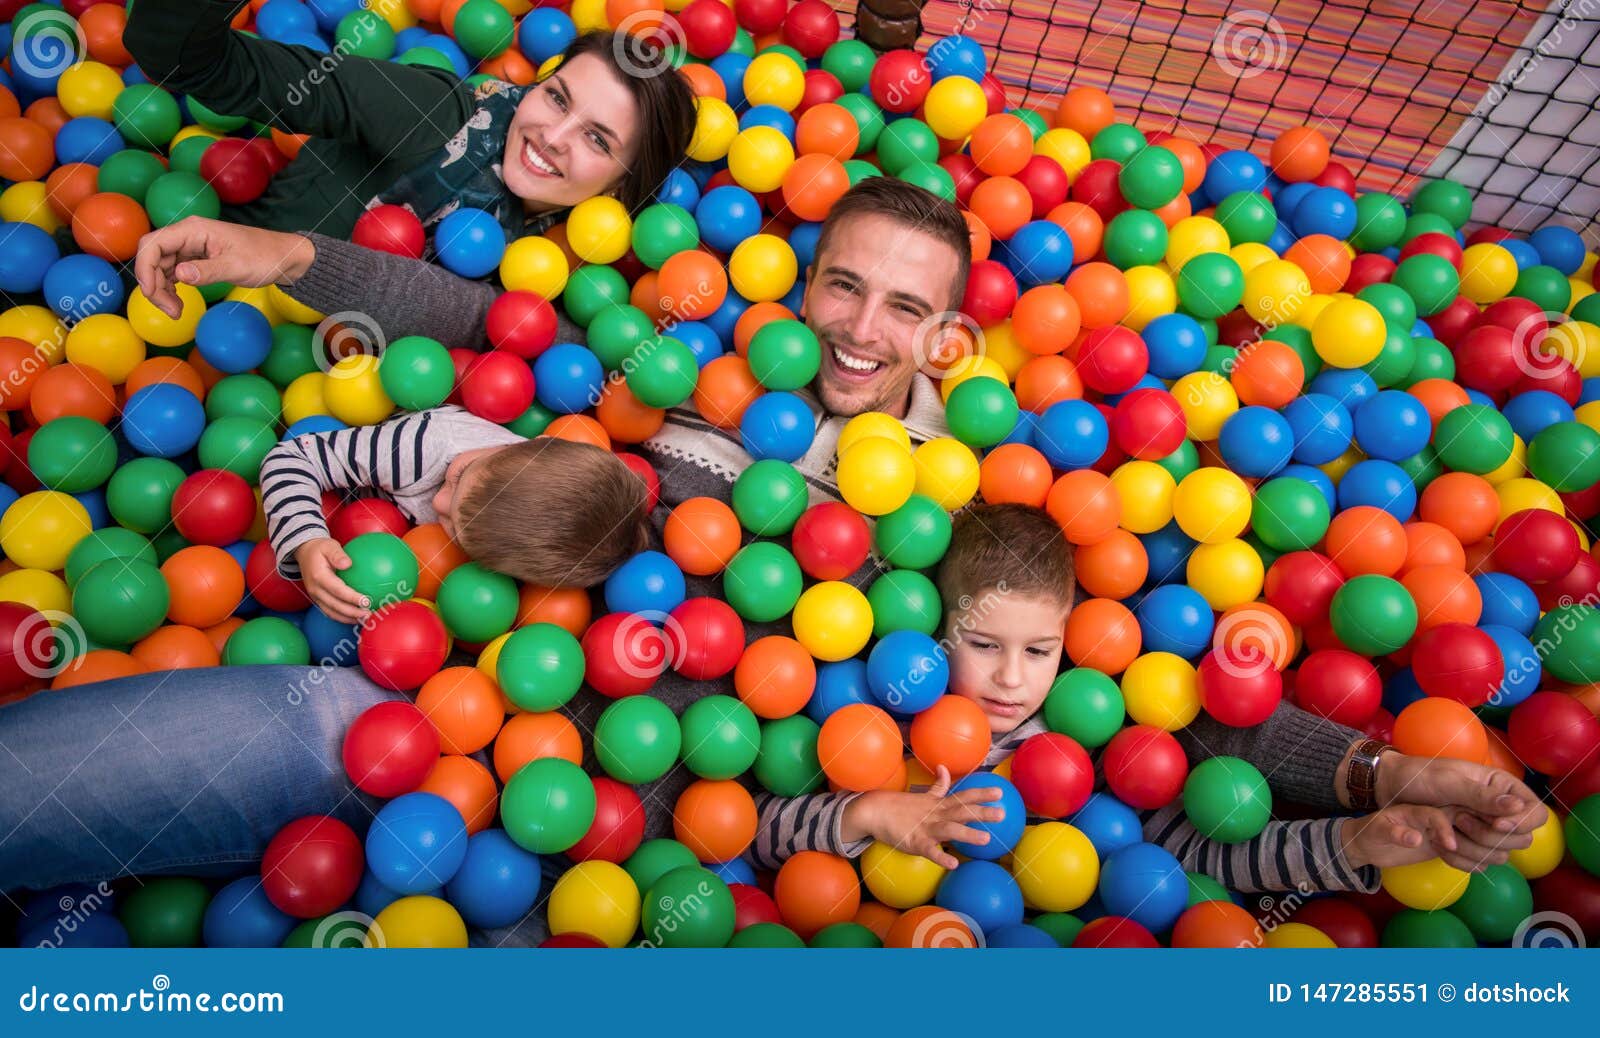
[
  {"x": 759, "y": 157},
  {"x": 1146, "y": 491},
  {"x": 304, "y": 397},
  {"x": 1297, "y": 935},
  {"x": 292, "y": 309},
  {"x": 1226, "y": 574},
  {"x": 1067, "y": 147},
  {"x": 873, "y": 423},
  {"x": 1193, "y": 235},
  {"x": 1056, "y": 867},
  {"x": 1207, "y": 400},
  {"x": 1251, "y": 254},
  {"x": 29, "y": 202},
  {"x": 974, "y": 365},
  {"x": 1523, "y": 493},
  {"x": 40, "y": 529},
  {"x": 774, "y": 79},
  {"x": 1577, "y": 342},
  {"x": 1161, "y": 689},
  {"x": 38, "y": 326},
  {"x": 353, "y": 392},
  {"x": 534, "y": 264},
  {"x": 37, "y": 589},
  {"x": 597, "y": 898},
  {"x": 715, "y": 127},
  {"x": 1488, "y": 272},
  {"x": 763, "y": 268},
  {"x": 418, "y": 922},
  {"x": 1513, "y": 467},
  {"x": 1151, "y": 294},
  {"x": 89, "y": 88},
  {"x": 876, "y": 476},
  {"x": 1580, "y": 289},
  {"x": 258, "y": 297},
  {"x": 1540, "y": 857},
  {"x": 1427, "y": 885},
  {"x": 1311, "y": 309},
  {"x": 1336, "y": 468},
  {"x": 1212, "y": 505},
  {"x": 947, "y": 472},
  {"x": 1348, "y": 333},
  {"x": 599, "y": 230},
  {"x": 397, "y": 14},
  {"x": 156, "y": 328},
  {"x": 833, "y": 620},
  {"x": 489, "y": 659},
  {"x": 1000, "y": 345},
  {"x": 589, "y": 16},
  {"x": 898, "y": 879},
  {"x": 107, "y": 343},
  {"x": 954, "y": 107},
  {"x": 1275, "y": 291}
]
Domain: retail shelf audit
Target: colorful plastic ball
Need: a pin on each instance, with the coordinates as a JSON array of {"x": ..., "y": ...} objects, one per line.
[
  {"x": 417, "y": 843},
  {"x": 831, "y": 541},
  {"x": 1553, "y": 732},
  {"x": 1144, "y": 883},
  {"x": 213, "y": 506},
  {"x": 312, "y": 866},
  {"x": 1256, "y": 442},
  {"x": 1145, "y": 767},
  {"x": 404, "y": 644},
  {"x": 1072, "y": 434},
  {"x": 72, "y": 454},
  {"x": 1457, "y": 661},
  {"x": 470, "y": 242},
  {"x": 596, "y": 899},
  {"x": 1535, "y": 545},
  {"x": 389, "y": 749},
  {"x": 266, "y": 640},
  {"x": 637, "y": 739},
  {"x": 1373, "y": 615},
  {"x": 1227, "y": 799},
  {"x": 548, "y": 805},
  {"x": 497, "y": 883},
  {"x": 120, "y": 601},
  {"x": 876, "y": 476},
  {"x": 649, "y": 584},
  {"x": 1435, "y": 727},
  {"x": 697, "y": 903},
  {"x": 624, "y": 653},
  {"x": 163, "y": 420},
  {"x": 907, "y": 672},
  {"x": 1348, "y": 333},
  {"x": 233, "y": 337},
  {"x": 1565, "y": 456},
  {"x": 762, "y": 582},
  {"x": 1582, "y": 830},
  {"x": 1426, "y": 886},
  {"x": 416, "y": 372},
  {"x": 383, "y": 568},
  {"x": 1003, "y": 834},
  {"x": 833, "y": 620},
  {"x": 769, "y": 497},
  {"x": 860, "y": 747}
]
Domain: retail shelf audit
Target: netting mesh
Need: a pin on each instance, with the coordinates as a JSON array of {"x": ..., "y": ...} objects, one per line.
[{"x": 1499, "y": 95}]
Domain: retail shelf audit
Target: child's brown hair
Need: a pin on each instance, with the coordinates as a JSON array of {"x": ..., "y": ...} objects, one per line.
[
  {"x": 553, "y": 512},
  {"x": 1013, "y": 549}
]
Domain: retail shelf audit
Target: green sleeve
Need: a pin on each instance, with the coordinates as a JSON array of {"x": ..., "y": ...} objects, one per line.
[{"x": 389, "y": 110}]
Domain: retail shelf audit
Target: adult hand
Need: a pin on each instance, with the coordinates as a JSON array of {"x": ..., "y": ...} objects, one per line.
[
  {"x": 919, "y": 823},
  {"x": 1492, "y": 807},
  {"x": 199, "y": 251},
  {"x": 320, "y": 560}
]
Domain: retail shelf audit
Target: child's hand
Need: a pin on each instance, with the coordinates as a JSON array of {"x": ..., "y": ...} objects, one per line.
[
  {"x": 918, "y": 823},
  {"x": 320, "y": 560},
  {"x": 1402, "y": 834}
]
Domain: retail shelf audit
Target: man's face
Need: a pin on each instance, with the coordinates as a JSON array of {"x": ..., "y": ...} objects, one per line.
[{"x": 873, "y": 298}]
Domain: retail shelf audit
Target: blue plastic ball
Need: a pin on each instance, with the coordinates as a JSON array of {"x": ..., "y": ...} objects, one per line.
[
  {"x": 1522, "y": 667},
  {"x": 777, "y": 425},
  {"x": 907, "y": 672},
  {"x": 1168, "y": 550},
  {"x": 1039, "y": 252},
  {"x": 803, "y": 241},
  {"x": 99, "y": 929},
  {"x": 1401, "y": 690},
  {"x": 1019, "y": 935},
  {"x": 679, "y": 188},
  {"x": 451, "y": 50},
  {"x": 328, "y": 13},
  {"x": 725, "y": 317},
  {"x": 1025, "y": 431},
  {"x": 568, "y": 378},
  {"x": 79, "y": 285},
  {"x": 730, "y": 67},
  {"x": 1524, "y": 253},
  {"x": 163, "y": 420},
  {"x": 416, "y": 843},
  {"x": 701, "y": 339},
  {"x": 983, "y": 892},
  {"x": 1559, "y": 247},
  {"x": 469, "y": 242},
  {"x": 1325, "y": 210},
  {"x": 373, "y": 897},
  {"x": 280, "y": 18},
  {"x": 1072, "y": 434},
  {"x": 1322, "y": 428},
  {"x": 1176, "y": 344},
  {"x": 1351, "y": 387},
  {"x": 1256, "y": 442},
  {"x": 1393, "y": 426},
  {"x": 94, "y": 502},
  {"x": 726, "y": 216},
  {"x": 497, "y": 884},
  {"x": 545, "y": 32},
  {"x": 1381, "y": 484},
  {"x": 233, "y": 337},
  {"x": 1175, "y": 618},
  {"x": 735, "y": 871},
  {"x": 957, "y": 55},
  {"x": 240, "y": 916},
  {"x": 315, "y": 423},
  {"x": 1529, "y": 412},
  {"x": 1507, "y": 602},
  {"x": 768, "y": 115},
  {"x": 333, "y": 644},
  {"x": 1233, "y": 171},
  {"x": 1004, "y": 834},
  {"x": 1318, "y": 479},
  {"x": 649, "y": 584},
  {"x": 1285, "y": 202},
  {"x": 1145, "y": 883},
  {"x": 838, "y": 684},
  {"x": 1109, "y": 824},
  {"x": 88, "y": 139},
  {"x": 26, "y": 255}
]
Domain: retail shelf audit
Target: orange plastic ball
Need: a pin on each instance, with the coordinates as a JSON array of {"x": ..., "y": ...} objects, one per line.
[
  {"x": 1085, "y": 506},
  {"x": 97, "y": 665},
  {"x": 1439, "y": 396},
  {"x": 1463, "y": 503},
  {"x": 511, "y": 66},
  {"x": 1267, "y": 374},
  {"x": 825, "y": 129},
  {"x": 579, "y": 428},
  {"x": 9, "y": 108},
  {"x": 465, "y": 706},
  {"x": 701, "y": 536},
  {"x": 954, "y": 733},
  {"x": 220, "y": 633},
  {"x": 876, "y": 917},
  {"x": 67, "y": 186},
  {"x": 1444, "y": 595},
  {"x": 860, "y": 747},
  {"x": 1437, "y": 727},
  {"x": 982, "y": 240},
  {"x": 624, "y": 417},
  {"x": 692, "y": 284},
  {"x": 47, "y": 112},
  {"x": 1046, "y": 319},
  {"x": 468, "y": 785},
  {"x": 1043, "y": 381},
  {"x": 1102, "y": 635},
  {"x": 109, "y": 225},
  {"x": 704, "y": 81},
  {"x": 534, "y": 736},
  {"x": 1429, "y": 544},
  {"x": 812, "y": 184},
  {"x": 72, "y": 389},
  {"x": 1500, "y": 755},
  {"x": 27, "y": 149},
  {"x": 715, "y": 818},
  {"x": 815, "y": 890},
  {"x": 102, "y": 25},
  {"x": 21, "y": 367},
  {"x": 1324, "y": 259},
  {"x": 1001, "y": 145},
  {"x": 646, "y": 295},
  {"x": 1178, "y": 209},
  {"x": 1101, "y": 292},
  {"x": 1366, "y": 539},
  {"x": 1085, "y": 109},
  {"x": 725, "y": 388},
  {"x": 1217, "y": 924},
  {"x": 155, "y": 370},
  {"x": 1014, "y": 473},
  {"x": 568, "y": 608},
  {"x": 929, "y": 926},
  {"x": 437, "y": 554},
  {"x": 775, "y": 677},
  {"x": 1300, "y": 153},
  {"x": 1114, "y": 567},
  {"x": 1191, "y": 158},
  {"x": 205, "y": 585},
  {"x": 176, "y": 647},
  {"x": 1003, "y": 204},
  {"x": 756, "y": 317},
  {"x": 1082, "y": 224}
]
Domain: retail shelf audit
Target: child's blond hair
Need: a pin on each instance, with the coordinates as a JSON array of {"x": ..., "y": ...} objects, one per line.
[{"x": 1013, "y": 549}]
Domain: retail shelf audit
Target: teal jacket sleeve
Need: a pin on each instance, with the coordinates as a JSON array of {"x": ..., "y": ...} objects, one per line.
[{"x": 389, "y": 110}]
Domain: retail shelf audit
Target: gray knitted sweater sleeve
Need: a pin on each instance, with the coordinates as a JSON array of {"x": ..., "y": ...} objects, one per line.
[{"x": 402, "y": 296}]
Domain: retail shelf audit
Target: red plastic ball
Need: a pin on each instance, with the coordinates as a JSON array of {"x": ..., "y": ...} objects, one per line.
[
  {"x": 645, "y": 471},
  {"x": 623, "y": 654},
  {"x": 1301, "y": 586},
  {"x": 521, "y": 323},
  {"x": 213, "y": 506},
  {"x": 618, "y": 826},
  {"x": 1553, "y": 375},
  {"x": 752, "y": 905},
  {"x": 1237, "y": 691},
  {"x": 831, "y": 541},
  {"x": 1096, "y": 187},
  {"x": 1581, "y": 583},
  {"x": 1345, "y": 924},
  {"x": 312, "y": 866},
  {"x": 760, "y": 17},
  {"x": 1368, "y": 268},
  {"x": 403, "y": 645},
  {"x": 811, "y": 27},
  {"x": 821, "y": 87},
  {"x": 1114, "y": 931},
  {"x": 965, "y": 172},
  {"x": 1553, "y": 733},
  {"x": 238, "y": 172},
  {"x": 269, "y": 587},
  {"x": 1112, "y": 359},
  {"x": 1047, "y": 185},
  {"x": 899, "y": 81},
  {"x": 1144, "y": 767},
  {"x": 1454, "y": 321},
  {"x": 991, "y": 292},
  {"x": 366, "y": 515},
  {"x": 390, "y": 228},
  {"x": 1457, "y": 661},
  {"x": 1335, "y": 174},
  {"x": 705, "y": 639},
  {"x": 1339, "y": 685},
  {"x": 708, "y": 28},
  {"x": 1148, "y": 424},
  {"x": 1575, "y": 894},
  {"x": 1433, "y": 243},
  {"x": 1487, "y": 359},
  {"x": 572, "y": 940},
  {"x": 1535, "y": 544},
  {"x": 994, "y": 94},
  {"x": 390, "y": 748},
  {"x": 498, "y": 386},
  {"x": 27, "y": 644},
  {"x": 1053, "y": 773}
]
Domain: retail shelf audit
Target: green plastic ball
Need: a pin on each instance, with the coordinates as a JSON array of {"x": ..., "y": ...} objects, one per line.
[
  {"x": 1119, "y": 142},
  {"x": 1444, "y": 198},
  {"x": 328, "y": 931},
  {"x": 146, "y": 116},
  {"x": 905, "y": 141},
  {"x": 72, "y": 454},
  {"x": 417, "y": 372},
  {"x": 858, "y": 170},
  {"x": 108, "y": 542},
  {"x": 477, "y": 604},
  {"x": 721, "y": 737},
  {"x": 1587, "y": 309},
  {"x": 1151, "y": 177},
  {"x": 762, "y": 582},
  {"x": 180, "y": 193},
  {"x": 212, "y": 119},
  {"x": 1399, "y": 310},
  {"x": 1545, "y": 286},
  {"x": 1299, "y": 340},
  {"x": 540, "y": 667},
  {"x": 1474, "y": 438},
  {"x": 130, "y": 172},
  {"x": 294, "y": 353},
  {"x": 1227, "y": 799},
  {"x": 934, "y": 179},
  {"x": 1497, "y": 901},
  {"x": 1204, "y": 888},
  {"x": 382, "y": 567},
  {"x": 1411, "y": 928},
  {"x": 654, "y": 859},
  {"x": 1394, "y": 360},
  {"x": 237, "y": 444},
  {"x": 1572, "y": 633},
  {"x": 785, "y": 355},
  {"x": 915, "y": 535},
  {"x": 1135, "y": 237},
  {"x": 1210, "y": 285},
  {"x": 1289, "y": 514},
  {"x": 637, "y": 739},
  {"x": 850, "y": 62},
  {"x": 664, "y": 372},
  {"x": 365, "y": 35},
  {"x": 427, "y": 57},
  {"x": 1373, "y": 615},
  {"x": 1085, "y": 705},
  {"x": 1247, "y": 216},
  {"x": 1380, "y": 221},
  {"x": 185, "y": 155},
  {"x": 981, "y": 412},
  {"x": 787, "y": 762},
  {"x": 591, "y": 289},
  {"x": 168, "y": 542},
  {"x": 1423, "y": 467},
  {"x": 165, "y": 912},
  {"x": 139, "y": 494},
  {"x": 547, "y": 805},
  {"x": 266, "y": 640},
  {"x": 1582, "y": 829},
  {"x": 769, "y": 497},
  {"x": 532, "y": 422},
  {"x": 662, "y": 231},
  {"x": 766, "y": 935},
  {"x": 119, "y": 601},
  {"x": 1565, "y": 456},
  {"x": 845, "y": 935},
  {"x": 904, "y": 600},
  {"x": 1431, "y": 282},
  {"x": 1037, "y": 124},
  {"x": 1182, "y": 461},
  {"x": 868, "y": 118},
  {"x": 244, "y": 396},
  {"x": 688, "y": 908},
  {"x": 1430, "y": 358}
]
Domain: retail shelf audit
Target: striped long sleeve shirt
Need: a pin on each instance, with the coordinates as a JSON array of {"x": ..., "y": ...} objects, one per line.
[
  {"x": 402, "y": 460},
  {"x": 1302, "y": 855}
]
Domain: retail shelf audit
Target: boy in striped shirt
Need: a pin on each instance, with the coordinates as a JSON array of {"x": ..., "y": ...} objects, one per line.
[
  {"x": 546, "y": 511},
  {"x": 1008, "y": 583}
]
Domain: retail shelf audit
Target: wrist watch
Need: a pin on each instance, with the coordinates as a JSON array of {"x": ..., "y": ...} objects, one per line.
[{"x": 1361, "y": 781}]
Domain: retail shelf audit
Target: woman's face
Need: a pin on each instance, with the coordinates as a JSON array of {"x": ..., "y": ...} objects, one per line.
[{"x": 573, "y": 137}]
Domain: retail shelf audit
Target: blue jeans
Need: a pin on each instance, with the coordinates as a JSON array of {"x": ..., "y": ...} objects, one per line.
[{"x": 188, "y": 772}]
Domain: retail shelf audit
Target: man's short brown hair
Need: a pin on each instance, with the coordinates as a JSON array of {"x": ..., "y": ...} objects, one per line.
[
  {"x": 553, "y": 512},
  {"x": 1013, "y": 549},
  {"x": 913, "y": 207}
]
